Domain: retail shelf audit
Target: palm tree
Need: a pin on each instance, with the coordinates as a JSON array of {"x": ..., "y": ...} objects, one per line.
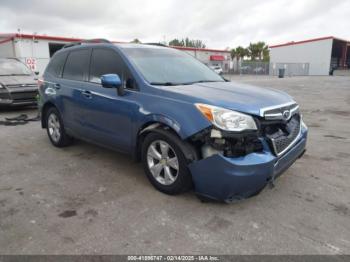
[
  {"x": 264, "y": 52},
  {"x": 238, "y": 53},
  {"x": 254, "y": 51},
  {"x": 233, "y": 53},
  {"x": 241, "y": 52}
]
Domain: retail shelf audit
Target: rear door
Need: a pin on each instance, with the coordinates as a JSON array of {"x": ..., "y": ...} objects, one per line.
[{"x": 71, "y": 86}]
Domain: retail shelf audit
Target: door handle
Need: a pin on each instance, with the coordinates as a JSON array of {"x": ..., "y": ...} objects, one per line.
[
  {"x": 86, "y": 94},
  {"x": 57, "y": 86}
]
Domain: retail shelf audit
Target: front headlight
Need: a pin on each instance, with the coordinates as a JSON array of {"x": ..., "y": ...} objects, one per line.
[
  {"x": 226, "y": 119},
  {"x": 1, "y": 86}
]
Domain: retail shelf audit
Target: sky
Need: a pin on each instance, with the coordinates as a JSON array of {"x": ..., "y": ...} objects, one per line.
[{"x": 218, "y": 23}]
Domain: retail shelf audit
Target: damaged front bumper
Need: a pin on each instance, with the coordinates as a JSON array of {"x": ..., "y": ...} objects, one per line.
[{"x": 232, "y": 178}]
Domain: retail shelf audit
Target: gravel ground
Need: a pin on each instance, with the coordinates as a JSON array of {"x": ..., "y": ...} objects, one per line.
[{"x": 85, "y": 199}]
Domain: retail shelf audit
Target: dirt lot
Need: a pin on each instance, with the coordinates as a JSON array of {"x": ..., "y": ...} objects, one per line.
[{"x": 88, "y": 200}]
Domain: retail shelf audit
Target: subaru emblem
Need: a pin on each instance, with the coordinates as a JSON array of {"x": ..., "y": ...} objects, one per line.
[{"x": 286, "y": 114}]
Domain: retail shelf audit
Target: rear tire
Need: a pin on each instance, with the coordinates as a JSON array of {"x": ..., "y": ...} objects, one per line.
[
  {"x": 55, "y": 129},
  {"x": 165, "y": 164}
]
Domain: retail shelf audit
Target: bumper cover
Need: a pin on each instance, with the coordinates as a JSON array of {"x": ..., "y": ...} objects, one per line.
[
  {"x": 19, "y": 97},
  {"x": 227, "y": 179},
  {"x": 8, "y": 102}
]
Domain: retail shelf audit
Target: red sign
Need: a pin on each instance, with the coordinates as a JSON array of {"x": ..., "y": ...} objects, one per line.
[
  {"x": 31, "y": 63},
  {"x": 217, "y": 58}
]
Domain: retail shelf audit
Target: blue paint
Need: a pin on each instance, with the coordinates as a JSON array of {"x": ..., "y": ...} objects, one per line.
[
  {"x": 100, "y": 115},
  {"x": 223, "y": 178}
]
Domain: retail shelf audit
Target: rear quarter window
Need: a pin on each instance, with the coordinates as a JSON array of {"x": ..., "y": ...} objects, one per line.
[
  {"x": 56, "y": 64},
  {"x": 77, "y": 65}
]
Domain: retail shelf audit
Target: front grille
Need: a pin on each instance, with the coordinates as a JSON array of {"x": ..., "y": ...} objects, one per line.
[
  {"x": 281, "y": 113},
  {"x": 281, "y": 135},
  {"x": 4, "y": 95},
  {"x": 24, "y": 96}
]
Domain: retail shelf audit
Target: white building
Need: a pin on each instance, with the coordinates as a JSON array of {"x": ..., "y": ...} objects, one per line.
[
  {"x": 36, "y": 50},
  {"x": 210, "y": 57},
  {"x": 311, "y": 57}
]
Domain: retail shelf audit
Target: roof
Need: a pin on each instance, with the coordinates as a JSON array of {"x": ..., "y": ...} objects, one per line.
[
  {"x": 308, "y": 41},
  {"x": 9, "y": 37}
]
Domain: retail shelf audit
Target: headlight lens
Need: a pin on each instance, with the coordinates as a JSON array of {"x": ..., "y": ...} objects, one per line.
[
  {"x": 1, "y": 86},
  {"x": 226, "y": 119}
]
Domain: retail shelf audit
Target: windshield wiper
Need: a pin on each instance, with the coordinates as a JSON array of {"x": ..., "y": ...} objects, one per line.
[
  {"x": 201, "y": 81},
  {"x": 186, "y": 83},
  {"x": 165, "y": 84}
]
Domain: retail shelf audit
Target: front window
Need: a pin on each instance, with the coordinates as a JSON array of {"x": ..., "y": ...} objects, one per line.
[
  {"x": 10, "y": 67},
  {"x": 77, "y": 65},
  {"x": 166, "y": 66}
]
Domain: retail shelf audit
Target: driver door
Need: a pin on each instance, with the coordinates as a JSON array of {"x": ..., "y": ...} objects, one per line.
[{"x": 108, "y": 117}]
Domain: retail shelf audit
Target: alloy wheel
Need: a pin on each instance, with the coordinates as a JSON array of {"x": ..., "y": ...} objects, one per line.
[
  {"x": 54, "y": 127},
  {"x": 162, "y": 162}
]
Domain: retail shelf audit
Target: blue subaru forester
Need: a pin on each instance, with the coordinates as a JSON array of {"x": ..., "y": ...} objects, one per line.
[{"x": 189, "y": 126}]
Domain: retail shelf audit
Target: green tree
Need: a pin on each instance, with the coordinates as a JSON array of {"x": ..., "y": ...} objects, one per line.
[
  {"x": 176, "y": 42},
  {"x": 263, "y": 50},
  {"x": 259, "y": 51},
  {"x": 239, "y": 53},
  {"x": 253, "y": 51},
  {"x": 198, "y": 44},
  {"x": 136, "y": 41},
  {"x": 233, "y": 53},
  {"x": 266, "y": 54},
  {"x": 187, "y": 43}
]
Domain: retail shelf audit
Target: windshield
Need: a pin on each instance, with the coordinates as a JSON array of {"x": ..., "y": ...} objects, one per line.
[
  {"x": 13, "y": 67},
  {"x": 166, "y": 66}
]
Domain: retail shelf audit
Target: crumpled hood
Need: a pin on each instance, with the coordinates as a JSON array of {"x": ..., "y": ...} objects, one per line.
[
  {"x": 232, "y": 95},
  {"x": 17, "y": 80}
]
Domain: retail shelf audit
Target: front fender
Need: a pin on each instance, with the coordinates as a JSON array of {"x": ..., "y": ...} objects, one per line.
[
  {"x": 184, "y": 118},
  {"x": 157, "y": 118}
]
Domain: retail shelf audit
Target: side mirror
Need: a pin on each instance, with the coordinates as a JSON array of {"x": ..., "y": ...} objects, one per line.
[{"x": 112, "y": 81}]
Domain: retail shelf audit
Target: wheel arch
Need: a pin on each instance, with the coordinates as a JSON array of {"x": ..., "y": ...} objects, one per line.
[
  {"x": 44, "y": 110},
  {"x": 166, "y": 130}
]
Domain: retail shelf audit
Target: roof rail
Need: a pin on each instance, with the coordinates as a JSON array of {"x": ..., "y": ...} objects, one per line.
[
  {"x": 88, "y": 41},
  {"x": 157, "y": 44},
  {"x": 97, "y": 40}
]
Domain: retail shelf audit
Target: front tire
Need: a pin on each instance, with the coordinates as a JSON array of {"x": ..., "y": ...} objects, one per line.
[
  {"x": 55, "y": 128},
  {"x": 165, "y": 164}
]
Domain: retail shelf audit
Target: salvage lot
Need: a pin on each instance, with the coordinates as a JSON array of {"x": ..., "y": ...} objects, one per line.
[{"x": 84, "y": 199}]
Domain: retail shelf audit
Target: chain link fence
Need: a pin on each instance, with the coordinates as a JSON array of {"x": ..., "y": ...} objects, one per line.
[
  {"x": 266, "y": 68},
  {"x": 291, "y": 69},
  {"x": 254, "y": 68}
]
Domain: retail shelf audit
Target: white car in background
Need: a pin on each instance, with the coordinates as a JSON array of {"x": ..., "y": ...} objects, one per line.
[{"x": 217, "y": 69}]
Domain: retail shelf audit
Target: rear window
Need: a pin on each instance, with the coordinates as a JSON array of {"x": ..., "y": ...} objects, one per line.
[
  {"x": 77, "y": 65},
  {"x": 56, "y": 64}
]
